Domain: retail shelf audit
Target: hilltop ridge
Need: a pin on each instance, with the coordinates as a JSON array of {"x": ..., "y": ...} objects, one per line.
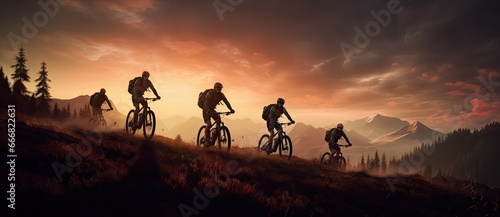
[{"x": 122, "y": 175}]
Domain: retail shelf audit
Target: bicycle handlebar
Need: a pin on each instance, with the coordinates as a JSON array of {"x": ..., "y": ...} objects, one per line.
[
  {"x": 152, "y": 99},
  {"x": 344, "y": 146},
  {"x": 225, "y": 113},
  {"x": 287, "y": 124}
]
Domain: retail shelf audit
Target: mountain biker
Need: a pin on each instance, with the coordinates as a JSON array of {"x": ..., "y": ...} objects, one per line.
[
  {"x": 212, "y": 99},
  {"x": 272, "y": 122},
  {"x": 140, "y": 86},
  {"x": 97, "y": 100},
  {"x": 334, "y": 138}
]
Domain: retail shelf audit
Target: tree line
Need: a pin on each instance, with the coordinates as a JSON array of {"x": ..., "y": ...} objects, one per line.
[{"x": 36, "y": 103}]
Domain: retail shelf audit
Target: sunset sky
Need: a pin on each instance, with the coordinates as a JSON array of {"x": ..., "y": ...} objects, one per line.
[{"x": 437, "y": 62}]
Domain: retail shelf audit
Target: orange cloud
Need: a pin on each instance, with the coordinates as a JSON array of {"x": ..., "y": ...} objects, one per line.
[
  {"x": 391, "y": 104},
  {"x": 187, "y": 48},
  {"x": 456, "y": 93},
  {"x": 454, "y": 84},
  {"x": 394, "y": 64},
  {"x": 443, "y": 67},
  {"x": 434, "y": 78}
]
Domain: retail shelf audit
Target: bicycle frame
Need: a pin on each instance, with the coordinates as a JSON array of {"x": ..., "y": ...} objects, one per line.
[
  {"x": 218, "y": 124},
  {"x": 338, "y": 153},
  {"x": 147, "y": 120},
  {"x": 281, "y": 133}
]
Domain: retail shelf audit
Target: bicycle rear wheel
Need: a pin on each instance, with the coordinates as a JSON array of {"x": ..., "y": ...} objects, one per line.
[
  {"x": 149, "y": 125},
  {"x": 200, "y": 139},
  {"x": 130, "y": 122},
  {"x": 285, "y": 148},
  {"x": 263, "y": 143},
  {"x": 325, "y": 159},
  {"x": 224, "y": 138}
]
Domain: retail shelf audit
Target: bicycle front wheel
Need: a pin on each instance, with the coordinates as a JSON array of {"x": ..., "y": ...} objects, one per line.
[
  {"x": 149, "y": 125},
  {"x": 102, "y": 124},
  {"x": 285, "y": 148},
  {"x": 325, "y": 159},
  {"x": 200, "y": 139},
  {"x": 263, "y": 143},
  {"x": 130, "y": 122},
  {"x": 92, "y": 122},
  {"x": 340, "y": 164},
  {"x": 224, "y": 138}
]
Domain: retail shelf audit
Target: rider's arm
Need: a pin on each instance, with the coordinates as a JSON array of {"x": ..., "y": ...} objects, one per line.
[
  {"x": 227, "y": 102},
  {"x": 345, "y": 137},
  {"x": 287, "y": 115},
  {"x": 153, "y": 89},
  {"x": 109, "y": 103}
]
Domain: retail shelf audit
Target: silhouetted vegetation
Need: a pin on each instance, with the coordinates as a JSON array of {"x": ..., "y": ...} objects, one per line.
[{"x": 122, "y": 175}]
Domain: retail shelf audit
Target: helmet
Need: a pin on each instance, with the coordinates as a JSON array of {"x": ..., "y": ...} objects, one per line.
[
  {"x": 145, "y": 74},
  {"x": 280, "y": 101},
  {"x": 340, "y": 125},
  {"x": 217, "y": 85},
  {"x": 103, "y": 91}
]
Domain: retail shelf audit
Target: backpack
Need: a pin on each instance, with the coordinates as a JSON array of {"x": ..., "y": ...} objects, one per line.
[
  {"x": 201, "y": 98},
  {"x": 131, "y": 84},
  {"x": 265, "y": 111},
  {"x": 328, "y": 134},
  {"x": 93, "y": 98}
]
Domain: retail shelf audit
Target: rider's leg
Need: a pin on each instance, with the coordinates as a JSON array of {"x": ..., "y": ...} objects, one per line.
[
  {"x": 280, "y": 137},
  {"x": 208, "y": 122}
]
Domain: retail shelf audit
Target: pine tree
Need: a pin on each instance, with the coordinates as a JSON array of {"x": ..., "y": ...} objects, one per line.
[
  {"x": 5, "y": 92},
  {"x": 363, "y": 164},
  {"x": 20, "y": 75},
  {"x": 383, "y": 165},
  {"x": 369, "y": 164},
  {"x": 42, "y": 93},
  {"x": 56, "y": 114},
  {"x": 74, "y": 115},
  {"x": 376, "y": 162}
]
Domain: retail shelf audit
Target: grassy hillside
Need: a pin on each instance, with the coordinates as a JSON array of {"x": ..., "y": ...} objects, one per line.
[{"x": 114, "y": 174}]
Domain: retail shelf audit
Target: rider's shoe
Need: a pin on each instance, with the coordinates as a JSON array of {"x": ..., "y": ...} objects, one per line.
[
  {"x": 134, "y": 126},
  {"x": 269, "y": 150},
  {"x": 207, "y": 143}
]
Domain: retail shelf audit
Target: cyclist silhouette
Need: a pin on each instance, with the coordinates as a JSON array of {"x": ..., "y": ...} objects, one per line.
[
  {"x": 337, "y": 133},
  {"x": 140, "y": 86},
  {"x": 272, "y": 122},
  {"x": 212, "y": 99},
  {"x": 96, "y": 101}
]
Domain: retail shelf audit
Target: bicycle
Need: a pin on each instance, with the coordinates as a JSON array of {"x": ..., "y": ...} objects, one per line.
[
  {"x": 284, "y": 145},
  {"x": 147, "y": 120},
  {"x": 98, "y": 120},
  {"x": 337, "y": 161},
  {"x": 218, "y": 132}
]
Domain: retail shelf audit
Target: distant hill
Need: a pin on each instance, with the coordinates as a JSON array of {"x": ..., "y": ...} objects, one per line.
[
  {"x": 94, "y": 173},
  {"x": 463, "y": 154},
  {"x": 376, "y": 125},
  {"x": 408, "y": 137}
]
